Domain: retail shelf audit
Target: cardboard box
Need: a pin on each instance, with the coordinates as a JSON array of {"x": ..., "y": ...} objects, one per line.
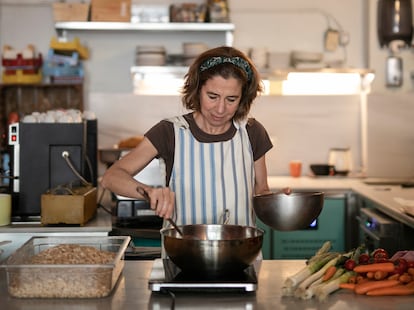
[
  {"x": 76, "y": 208},
  {"x": 111, "y": 10},
  {"x": 65, "y": 12}
]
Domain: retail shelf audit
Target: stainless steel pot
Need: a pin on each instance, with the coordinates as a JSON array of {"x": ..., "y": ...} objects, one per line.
[{"x": 213, "y": 250}]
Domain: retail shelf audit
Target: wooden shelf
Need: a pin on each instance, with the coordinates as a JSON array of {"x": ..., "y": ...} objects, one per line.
[{"x": 225, "y": 28}]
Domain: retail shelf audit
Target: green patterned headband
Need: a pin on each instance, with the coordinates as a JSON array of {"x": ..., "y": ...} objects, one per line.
[{"x": 237, "y": 61}]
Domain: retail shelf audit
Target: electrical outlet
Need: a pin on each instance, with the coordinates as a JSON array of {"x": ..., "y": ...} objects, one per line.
[{"x": 331, "y": 40}]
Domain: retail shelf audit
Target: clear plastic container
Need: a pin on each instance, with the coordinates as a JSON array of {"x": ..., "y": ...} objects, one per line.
[{"x": 26, "y": 280}]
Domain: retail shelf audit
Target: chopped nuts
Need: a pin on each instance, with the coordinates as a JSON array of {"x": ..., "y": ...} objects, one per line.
[
  {"x": 68, "y": 282},
  {"x": 73, "y": 254}
]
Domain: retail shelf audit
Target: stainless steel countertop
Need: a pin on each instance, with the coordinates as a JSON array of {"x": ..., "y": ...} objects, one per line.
[
  {"x": 132, "y": 292},
  {"x": 101, "y": 222},
  {"x": 100, "y": 225}
]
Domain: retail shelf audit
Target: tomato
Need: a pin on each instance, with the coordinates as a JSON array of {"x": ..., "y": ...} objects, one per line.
[
  {"x": 350, "y": 264},
  {"x": 380, "y": 253},
  {"x": 401, "y": 266},
  {"x": 363, "y": 259},
  {"x": 410, "y": 264}
]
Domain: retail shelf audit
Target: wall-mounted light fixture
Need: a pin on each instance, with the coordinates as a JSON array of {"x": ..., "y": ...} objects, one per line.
[{"x": 320, "y": 82}]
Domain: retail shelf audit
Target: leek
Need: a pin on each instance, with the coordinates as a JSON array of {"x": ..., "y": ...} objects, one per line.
[
  {"x": 310, "y": 291},
  {"x": 331, "y": 286},
  {"x": 324, "y": 249},
  {"x": 303, "y": 286},
  {"x": 307, "y": 271}
]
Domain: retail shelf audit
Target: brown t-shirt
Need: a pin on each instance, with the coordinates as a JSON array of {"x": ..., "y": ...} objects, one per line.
[{"x": 162, "y": 137}]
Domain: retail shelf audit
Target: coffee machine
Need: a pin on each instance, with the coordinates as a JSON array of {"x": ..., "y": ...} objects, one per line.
[{"x": 47, "y": 155}]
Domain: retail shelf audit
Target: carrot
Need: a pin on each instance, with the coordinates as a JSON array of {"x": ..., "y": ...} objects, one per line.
[
  {"x": 329, "y": 273},
  {"x": 405, "y": 278},
  {"x": 380, "y": 275},
  {"x": 361, "y": 279},
  {"x": 362, "y": 288},
  {"x": 394, "y": 276},
  {"x": 411, "y": 271},
  {"x": 410, "y": 284},
  {"x": 352, "y": 279},
  {"x": 370, "y": 275},
  {"x": 395, "y": 290},
  {"x": 387, "y": 267},
  {"x": 348, "y": 286}
]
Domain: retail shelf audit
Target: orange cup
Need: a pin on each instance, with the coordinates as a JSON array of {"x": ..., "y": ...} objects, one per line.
[{"x": 295, "y": 168}]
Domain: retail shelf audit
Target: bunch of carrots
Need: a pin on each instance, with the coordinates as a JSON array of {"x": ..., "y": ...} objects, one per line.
[
  {"x": 372, "y": 274},
  {"x": 380, "y": 279}
]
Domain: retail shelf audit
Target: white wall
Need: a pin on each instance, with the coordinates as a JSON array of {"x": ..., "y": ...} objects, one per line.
[
  {"x": 299, "y": 128},
  {"x": 302, "y": 127}
]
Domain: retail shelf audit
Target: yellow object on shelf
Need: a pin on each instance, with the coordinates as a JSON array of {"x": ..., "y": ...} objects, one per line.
[
  {"x": 74, "y": 46},
  {"x": 22, "y": 78}
]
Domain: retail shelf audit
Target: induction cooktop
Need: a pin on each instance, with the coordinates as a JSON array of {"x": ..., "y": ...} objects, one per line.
[{"x": 165, "y": 276}]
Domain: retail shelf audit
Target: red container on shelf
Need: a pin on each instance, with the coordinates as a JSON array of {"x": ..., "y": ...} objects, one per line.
[{"x": 22, "y": 63}]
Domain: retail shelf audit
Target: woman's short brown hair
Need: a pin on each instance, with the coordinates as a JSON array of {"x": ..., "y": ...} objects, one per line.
[{"x": 198, "y": 74}]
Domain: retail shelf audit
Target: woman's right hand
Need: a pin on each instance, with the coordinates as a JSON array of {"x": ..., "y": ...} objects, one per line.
[{"x": 162, "y": 199}]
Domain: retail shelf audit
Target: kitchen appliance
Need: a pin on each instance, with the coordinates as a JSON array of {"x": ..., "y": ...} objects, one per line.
[
  {"x": 395, "y": 31},
  {"x": 377, "y": 230},
  {"x": 341, "y": 159},
  {"x": 394, "y": 21},
  {"x": 165, "y": 276},
  {"x": 44, "y": 156},
  {"x": 138, "y": 212}
]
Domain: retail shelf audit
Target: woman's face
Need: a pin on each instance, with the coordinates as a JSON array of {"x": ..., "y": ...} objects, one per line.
[{"x": 219, "y": 100}]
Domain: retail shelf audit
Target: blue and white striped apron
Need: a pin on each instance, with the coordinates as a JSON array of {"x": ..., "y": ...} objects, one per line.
[{"x": 210, "y": 178}]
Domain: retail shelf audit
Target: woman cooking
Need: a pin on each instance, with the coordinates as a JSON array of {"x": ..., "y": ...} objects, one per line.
[{"x": 214, "y": 156}]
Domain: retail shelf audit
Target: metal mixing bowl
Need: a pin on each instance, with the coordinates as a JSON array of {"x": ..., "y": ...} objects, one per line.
[
  {"x": 288, "y": 212},
  {"x": 213, "y": 250}
]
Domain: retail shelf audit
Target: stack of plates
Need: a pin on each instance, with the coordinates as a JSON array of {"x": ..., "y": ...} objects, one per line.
[
  {"x": 307, "y": 60},
  {"x": 191, "y": 50},
  {"x": 150, "y": 56}
]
